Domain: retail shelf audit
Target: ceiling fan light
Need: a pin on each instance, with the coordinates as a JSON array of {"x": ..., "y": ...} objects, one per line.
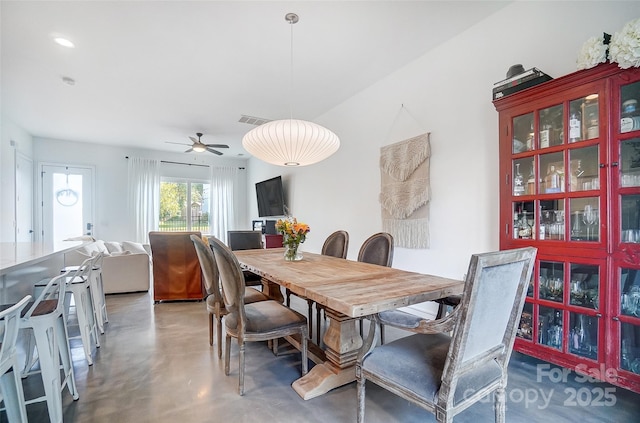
[
  {"x": 291, "y": 142},
  {"x": 199, "y": 148}
]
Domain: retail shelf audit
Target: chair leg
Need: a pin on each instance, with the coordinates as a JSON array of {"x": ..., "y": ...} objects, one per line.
[
  {"x": 210, "y": 329},
  {"x": 382, "y": 334},
  {"x": 219, "y": 324},
  {"x": 241, "y": 369},
  {"x": 500, "y": 405},
  {"x": 310, "y": 316},
  {"x": 227, "y": 355},
  {"x": 318, "y": 325},
  {"x": 13, "y": 394},
  {"x": 65, "y": 356},
  {"x": 288, "y": 295},
  {"x": 360, "y": 388},
  {"x": 85, "y": 331},
  {"x": 305, "y": 364},
  {"x": 48, "y": 354}
]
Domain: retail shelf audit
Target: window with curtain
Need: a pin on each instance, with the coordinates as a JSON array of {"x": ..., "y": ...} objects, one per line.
[
  {"x": 184, "y": 205},
  {"x": 171, "y": 196}
]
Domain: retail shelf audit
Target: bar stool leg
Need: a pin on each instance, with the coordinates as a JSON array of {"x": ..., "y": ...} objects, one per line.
[
  {"x": 48, "y": 354},
  {"x": 13, "y": 394},
  {"x": 65, "y": 356}
]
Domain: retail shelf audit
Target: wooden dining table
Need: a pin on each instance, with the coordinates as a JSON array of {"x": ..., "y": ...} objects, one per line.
[{"x": 348, "y": 290}]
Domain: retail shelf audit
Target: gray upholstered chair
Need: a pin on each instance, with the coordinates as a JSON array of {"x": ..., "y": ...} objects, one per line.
[
  {"x": 336, "y": 245},
  {"x": 377, "y": 249},
  {"x": 246, "y": 240},
  {"x": 444, "y": 373},
  {"x": 261, "y": 321},
  {"x": 215, "y": 303}
]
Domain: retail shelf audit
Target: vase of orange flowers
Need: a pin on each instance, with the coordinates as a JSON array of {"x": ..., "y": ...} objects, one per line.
[{"x": 293, "y": 233}]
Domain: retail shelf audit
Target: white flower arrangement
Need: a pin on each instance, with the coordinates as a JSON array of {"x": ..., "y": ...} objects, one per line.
[
  {"x": 625, "y": 46},
  {"x": 593, "y": 52}
]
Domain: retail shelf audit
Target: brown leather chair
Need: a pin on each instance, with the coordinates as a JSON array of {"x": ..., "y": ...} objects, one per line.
[{"x": 176, "y": 269}]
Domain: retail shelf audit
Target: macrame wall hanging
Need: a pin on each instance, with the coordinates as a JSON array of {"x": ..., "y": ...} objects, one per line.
[{"x": 404, "y": 191}]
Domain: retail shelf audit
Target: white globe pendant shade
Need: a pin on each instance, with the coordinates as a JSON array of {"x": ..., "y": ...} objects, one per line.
[{"x": 291, "y": 142}]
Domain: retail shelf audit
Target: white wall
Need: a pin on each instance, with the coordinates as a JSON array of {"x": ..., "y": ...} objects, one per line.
[
  {"x": 12, "y": 139},
  {"x": 446, "y": 92},
  {"x": 112, "y": 221}
]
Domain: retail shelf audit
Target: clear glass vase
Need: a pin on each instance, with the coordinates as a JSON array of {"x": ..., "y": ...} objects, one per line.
[{"x": 291, "y": 252}]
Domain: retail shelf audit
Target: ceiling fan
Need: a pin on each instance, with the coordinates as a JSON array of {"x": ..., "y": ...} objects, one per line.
[{"x": 199, "y": 147}]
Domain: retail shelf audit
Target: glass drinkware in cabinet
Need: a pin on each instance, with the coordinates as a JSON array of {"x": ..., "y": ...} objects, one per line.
[
  {"x": 630, "y": 219},
  {"x": 630, "y": 163}
]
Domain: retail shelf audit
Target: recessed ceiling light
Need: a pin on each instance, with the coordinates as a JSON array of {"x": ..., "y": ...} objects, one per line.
[{"x": 64, "y": 42}]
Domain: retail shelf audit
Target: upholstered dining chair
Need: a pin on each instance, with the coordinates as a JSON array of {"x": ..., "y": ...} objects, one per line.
[
  {"x": 261, "y": 321},
  {"x": 446, "y": 374},
  {"x": 246, "y": 240},
  {"x": 214, "y": 301},
  {"x": 336, "y": 245},
  {"x": 377, "y": 249},
  {"x": 10, "y": 381}
]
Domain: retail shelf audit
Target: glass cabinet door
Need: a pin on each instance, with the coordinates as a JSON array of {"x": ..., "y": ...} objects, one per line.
[
  {"x": 523, "y": 136},
  {"x": 629, "y": 107},
  {"x": 629, "y": 166},
  {"x": 629, "y": 352},
  {"x": 585, "y": 219},
  {"x": 550, "y": 126}
]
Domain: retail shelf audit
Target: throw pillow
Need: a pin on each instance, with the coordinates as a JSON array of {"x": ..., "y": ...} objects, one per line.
[
  {"x": 134, "y": 247},
  {"x": 114, "y": 247},
  {"x": 101, "y": 247}
]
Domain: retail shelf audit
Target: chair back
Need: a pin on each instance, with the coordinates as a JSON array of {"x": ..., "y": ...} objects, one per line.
[
  {"x": 210, "y": 273},
  {"x": 54, "y": 290},
  {"x": 11, "y": 325},
  {"x": 244, "y": 240},
  {"x": 336, "y": 245},
  {"x": 377, "y": 249},
  {"x": 231, "y": 279},
  {"x": 176, "y": 268},
  {"x": 83, "y": 272},
  {"x": 490, "y": 309}
]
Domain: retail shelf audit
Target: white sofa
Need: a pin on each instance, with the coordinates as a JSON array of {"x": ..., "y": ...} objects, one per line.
[{"x": 126, "y": 266}]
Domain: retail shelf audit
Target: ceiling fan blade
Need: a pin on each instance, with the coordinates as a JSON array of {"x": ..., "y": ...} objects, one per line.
[
  {"x": 217, "y": 145},
  {"x": 179, "y": 143},
  {"x": 189, "y": 150},
  {"x": 194, "y": 140},
  {"x": 211, "y": 150}
]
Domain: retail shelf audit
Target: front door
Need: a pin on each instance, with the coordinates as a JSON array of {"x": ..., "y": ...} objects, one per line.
[
  {"x": 24, "y": 199},
  {"x": 67, "y": 202}
]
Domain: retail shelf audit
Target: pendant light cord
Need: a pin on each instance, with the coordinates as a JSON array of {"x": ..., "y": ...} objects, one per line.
[{"x": 291, "y": 22}]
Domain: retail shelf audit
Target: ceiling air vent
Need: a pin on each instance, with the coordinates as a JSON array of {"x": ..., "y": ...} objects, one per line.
[{"x": 252, "y": 120}]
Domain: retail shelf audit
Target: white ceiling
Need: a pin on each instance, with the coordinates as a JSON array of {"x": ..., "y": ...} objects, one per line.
[{"x": 148, "y": 72}]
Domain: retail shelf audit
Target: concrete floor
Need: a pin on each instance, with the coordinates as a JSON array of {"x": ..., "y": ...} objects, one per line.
[{"x": 155, "y": 365}]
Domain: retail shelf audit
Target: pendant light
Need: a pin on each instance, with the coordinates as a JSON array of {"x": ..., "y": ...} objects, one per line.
[{"x": 291, "y": 142}]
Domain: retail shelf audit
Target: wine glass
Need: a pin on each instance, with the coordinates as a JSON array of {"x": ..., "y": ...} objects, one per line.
[{"x": 589, "y": 218}]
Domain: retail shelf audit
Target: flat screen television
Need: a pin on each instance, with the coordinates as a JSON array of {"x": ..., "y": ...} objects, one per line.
[{"x": 270, "y": 197}]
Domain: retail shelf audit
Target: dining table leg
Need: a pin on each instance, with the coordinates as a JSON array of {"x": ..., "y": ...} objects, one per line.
[{"x": 342, "y": 342}]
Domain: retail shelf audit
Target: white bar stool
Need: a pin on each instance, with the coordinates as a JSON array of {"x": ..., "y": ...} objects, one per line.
[
  {"x": 79, "y": 285},
  {"x": 10, "y": 383},
  {"x": 47, "y": 320},
  {"x": 97, "y": 291}
]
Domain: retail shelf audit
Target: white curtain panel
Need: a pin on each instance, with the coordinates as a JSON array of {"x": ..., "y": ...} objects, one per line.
[
  {"x": 222, "y": 216},
  {"x": 144, "y": 196}
]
